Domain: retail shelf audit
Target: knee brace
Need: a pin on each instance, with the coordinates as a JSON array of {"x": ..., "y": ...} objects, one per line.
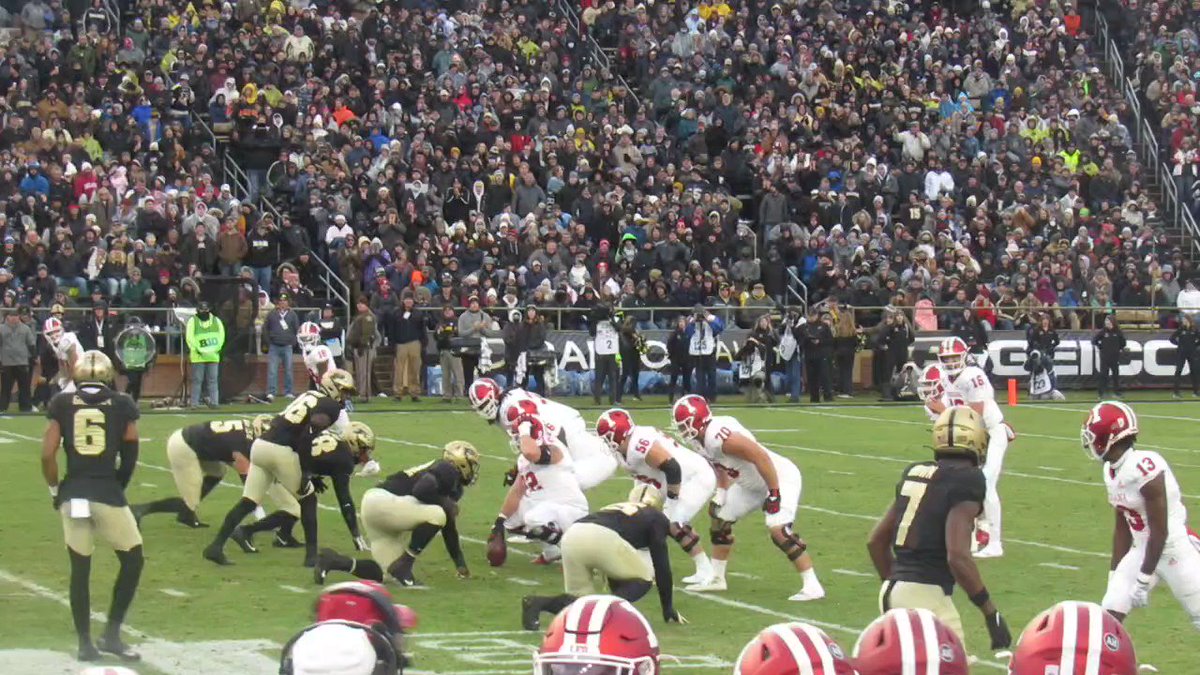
[
  {"x": 686, "y": 536},
  {"x": 791, "y": 545},
  {"x": 548, "y": 533},
  {"x": 721, "y": 532}
]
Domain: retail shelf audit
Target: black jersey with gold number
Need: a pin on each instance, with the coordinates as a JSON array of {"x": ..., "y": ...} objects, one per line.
[
  {"x": 218, "y": 440},
  {"x": 93, "y": 421},
  {"x": 447, "y": 482},
  {"x": 924, "y": 496},
  {"x": 641, "y": 526},
  {"x": 331, "y": 456},
  {"x": 290, "y": 426}
]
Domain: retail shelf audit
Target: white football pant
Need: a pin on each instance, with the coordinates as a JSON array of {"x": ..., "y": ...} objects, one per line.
[
  {"x": 1179, "y": 568},
  {"x": 997, "y": 446}
]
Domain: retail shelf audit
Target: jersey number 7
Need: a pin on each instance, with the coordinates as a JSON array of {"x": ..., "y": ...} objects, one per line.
[{"x": 915, "y": 493}]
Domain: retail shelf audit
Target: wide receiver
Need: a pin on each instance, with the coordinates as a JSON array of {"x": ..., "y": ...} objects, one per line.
[
  {"x": 546, "y": 497},
  {"x": 1074, "y": 637},
  {"x": 97, "y": 427},
  {"x": 969, "y": 384},
  {"x": 199, "y": 456},
  {"x": 283, "y": 453},
  {"x": 404, "y": 513},
  {"x": 1150, "y": 535},
  {"x": 922, "y": 545},
  {"x": 749, "y": 477},
  {"x": 590, "y": 460},
  {"x": 686, "y": 478},
  {"x": 613, "y": 544},
  {"x": 67, "y": 350}
]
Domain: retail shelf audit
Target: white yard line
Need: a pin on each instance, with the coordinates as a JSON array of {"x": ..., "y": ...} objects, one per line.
[
  {"x": 523, "y": 582},
  {"x": 54, "y": 596},
  {"x": 765, "y": 611},
  {"x": 293, "y": 589},
  {"x": 173, "y": 592},
  {"x": 853, "y": 573},
  {"x": 743, "y": 575},
  {"x": 842, "y": 473},
  {"x": 1148, "y": 416},
  {"x": 430, "y": 446},
  {"x": 1051, "y": 468},
  {"x": 1059, "y": 566},
  {"x": 147, "y": 485}
]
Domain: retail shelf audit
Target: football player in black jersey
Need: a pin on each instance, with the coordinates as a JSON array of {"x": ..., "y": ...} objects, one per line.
[
  {"x": 334, "y": 456},
  {"x": 199, "y": 456},
  {"x": 283, "y": 453},
  {"x": 404, "y": 513},
  {"x": 611, "y": 542},
  {"x": 97, "y": 427},
  {"x": 922, "y": 545}
]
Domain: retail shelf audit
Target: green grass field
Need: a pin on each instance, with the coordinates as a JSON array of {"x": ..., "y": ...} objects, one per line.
[{"x": 192, "y": 617}]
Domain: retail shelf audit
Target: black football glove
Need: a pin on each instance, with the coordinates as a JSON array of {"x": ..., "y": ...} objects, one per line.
[
  {"x": 998, "y": 630},
  {"x": 318, "y": 484},
  {"x": 771, "y": 505},
  {"x": 510, "y": 476},
  {"x": 672, "y": 616}
]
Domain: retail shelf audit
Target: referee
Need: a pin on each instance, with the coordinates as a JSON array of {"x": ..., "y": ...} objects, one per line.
[
  {"x": 922, "y": 545},
  {"x": 613, "y": 543}
]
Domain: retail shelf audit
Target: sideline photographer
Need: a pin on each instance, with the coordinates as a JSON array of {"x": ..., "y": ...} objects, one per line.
[
  {"x": 606, "y": 342},
  {"x": 702, "y": 331},
  {"x": 791, "y": 351}
]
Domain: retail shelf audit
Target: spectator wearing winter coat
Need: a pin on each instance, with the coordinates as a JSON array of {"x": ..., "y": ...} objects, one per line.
[
  {"x": 280, "y": 328},
  {"x": 678, "y": 360},
  {"x": 1110, "y": 343},
  {"x": 472, "y": 324},
  {"x": 1187, "y": 343},
  {"x": 406, "y": 330}
]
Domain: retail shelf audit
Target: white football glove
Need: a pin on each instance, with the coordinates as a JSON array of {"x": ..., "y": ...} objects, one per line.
[
  {"x": 370, "y": 468},
  {"x": 1140, "y": 596}
]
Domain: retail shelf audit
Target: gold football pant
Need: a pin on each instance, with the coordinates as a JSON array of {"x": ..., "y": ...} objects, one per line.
[
  {"x": 389, "y": 519},
  {"x": 912, "y": 595},
  {"x": 271, "y": 463},
  {"x": 589, "y": 549},
  {"x": 114, "y": 525},
  {"x": 189, "y": 472}
]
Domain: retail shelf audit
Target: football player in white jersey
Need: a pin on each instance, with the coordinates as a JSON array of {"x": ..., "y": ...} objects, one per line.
[
  {"x": 66, "y": 348},
  {"x": 684, "y": 477},
  {"x": 318, "y": 358},
  {"x": 969, "y": 384},
  {"x": 1150, "y": 537},
  {"x": 546, "y": 498},
  {"x": 590, "y": 458},
  {"x": 749, "y": 477}
]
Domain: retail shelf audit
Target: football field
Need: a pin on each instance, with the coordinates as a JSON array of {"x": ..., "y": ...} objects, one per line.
[{"x": 192, "y": 617}]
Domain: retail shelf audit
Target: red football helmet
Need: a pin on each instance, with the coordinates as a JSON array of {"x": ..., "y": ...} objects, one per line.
[
  {"x": 691, "y": 415},
  {"x": 53, "y": 329},
  {"x": 931, "y": 385},
  {"x": 1077, "y": 637},
  {"x": 614, "y": 426},
  {"x": 1107, "y": 423},
  {"x": 309, "y": 334},
  {"x": 485, "y": 397},
  {"x": 366, "y": 602},
  {"x": 598, "y": 631},
  {"x": 790, "y": 649},
  {"x": 952, "y": 354},
  {"x": 906, "y": 640}
]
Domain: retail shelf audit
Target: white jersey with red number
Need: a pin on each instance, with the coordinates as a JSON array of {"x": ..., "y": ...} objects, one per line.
[
  {"x": 642, "y": 439},
  {"x": 68, "y": 350},
  {"x": 318, "y": 359},
  {"x": 740, "y": 471},
  {"x": 555, "y": 483},
  {"x": 972, "y": 386},
  {"x": 1125, "y": 483}
]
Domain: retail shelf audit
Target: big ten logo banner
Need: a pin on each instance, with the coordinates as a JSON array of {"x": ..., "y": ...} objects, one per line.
[{"x": 1149, "y": 357}]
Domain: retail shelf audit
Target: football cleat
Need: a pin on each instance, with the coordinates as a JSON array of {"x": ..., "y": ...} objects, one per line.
[
  {"x": 695, "y": 578},
  {"x": 88, "y": 652},
  {"x": 188, "y": 519},
  {"x": 543, "y": 559},
  {"x": 531, "y": 609},
  {"x": 319, "y": 571},
  {"x": 710, "y": 585},
  {"x": 807, "y": 595},
  {"x": 992, "y": 550},
  {"x": 216, "y": 555},
  {"x": 243, "y": 540},
  {"x": 286, "y": 542},
  {"x": 113, "y": 645}
]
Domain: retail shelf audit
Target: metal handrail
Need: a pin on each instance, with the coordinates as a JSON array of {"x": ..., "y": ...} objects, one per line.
[
  {"x": 797, "y": 288},
  {"x": 596, "y": 51}
]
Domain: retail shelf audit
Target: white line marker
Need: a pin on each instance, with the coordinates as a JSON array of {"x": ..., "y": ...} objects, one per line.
[
  {"x": 853, "y": 573},
  {"x": 1058, "y": 566},
  {"x": 743, "y": 575},
  {"x": 54, "y": 596},
  {"x": 1051, "y": 468},
  {"x": 173, "y": 593},
  {"x": 430, "y": 446},
  {"x": 149, "y": 485},
  {"x": 523, "y": 582},
  {"x": 292, "y": 589},
  {"x": 842, "y": 473},
  {"x": 776, "y": 431},
  {"x": 791, "y": 617}
]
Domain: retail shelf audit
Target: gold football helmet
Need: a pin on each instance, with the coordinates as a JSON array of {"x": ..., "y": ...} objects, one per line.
[
  {"x": 362, "y": 437},
  {"x": 261, "y": 423},
  {"x": 959, "y": 431},
  {"x": 94, "y": 367},
  {"x": 338, "y": 383},
  {"x": 646, "y": 494},
  {"x": 465, "y": 458}
]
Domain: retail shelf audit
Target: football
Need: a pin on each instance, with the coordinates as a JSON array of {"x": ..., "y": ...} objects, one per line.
[{"x": 497, "y": 551}]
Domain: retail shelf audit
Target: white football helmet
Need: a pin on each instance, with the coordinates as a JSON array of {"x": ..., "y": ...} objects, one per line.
[
  {"x": 952, "y": 354},
  {"x": 485, "y": 397},
  {"x": 309, "y": 334},
  {"x": 53, "y": 329}
]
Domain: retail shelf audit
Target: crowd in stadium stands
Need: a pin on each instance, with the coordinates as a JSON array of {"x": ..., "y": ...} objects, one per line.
[
  {"x": 888, "y": 155},
  {"x": 1162, "y": 52}
]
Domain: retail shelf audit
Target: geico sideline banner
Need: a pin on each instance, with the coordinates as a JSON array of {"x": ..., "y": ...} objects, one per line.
[{"x": 1149, "y": 355}]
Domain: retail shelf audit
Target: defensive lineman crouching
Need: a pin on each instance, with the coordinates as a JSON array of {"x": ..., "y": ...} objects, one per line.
[
  {"x": 611, "y": 543},
  {"x": 403, "y": 514}
]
